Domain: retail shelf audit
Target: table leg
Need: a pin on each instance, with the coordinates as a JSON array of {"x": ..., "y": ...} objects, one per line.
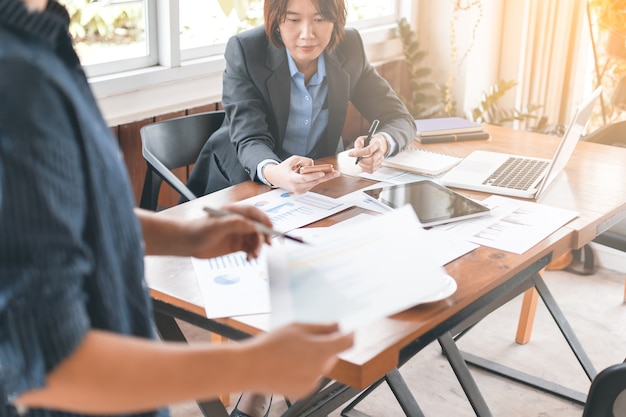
[
  {"x": 527, "y": 316},
  {"x": 325, "y": 400},
  {"x": 464, "y": 376},
  {"x": 570, "y": 337},
  {"x": 565, "y": 327},
  {"x": 403, "y": 394},
  {"x": 168, "y": 330}
]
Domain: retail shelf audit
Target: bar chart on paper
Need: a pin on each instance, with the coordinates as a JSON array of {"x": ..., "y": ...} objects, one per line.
[
  {"x": 288, "y": 211},
  {"x": 233, "y": 277}
]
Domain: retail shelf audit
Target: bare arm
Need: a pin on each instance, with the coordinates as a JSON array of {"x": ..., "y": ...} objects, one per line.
[
  {"x": 204, "y": 237},
  {"x": 109, "y": 373}
]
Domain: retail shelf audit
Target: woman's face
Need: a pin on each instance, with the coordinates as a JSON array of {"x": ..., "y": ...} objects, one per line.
[{"x": 305, "y": 32}]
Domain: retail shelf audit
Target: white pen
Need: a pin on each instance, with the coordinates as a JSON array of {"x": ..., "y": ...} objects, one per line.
[{"x": 260, "y": 226}]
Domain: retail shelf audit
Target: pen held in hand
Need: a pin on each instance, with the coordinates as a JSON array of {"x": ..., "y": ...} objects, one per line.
[
  {"x": 260, "y": 226},
  {"x": 370, "y": 133}
]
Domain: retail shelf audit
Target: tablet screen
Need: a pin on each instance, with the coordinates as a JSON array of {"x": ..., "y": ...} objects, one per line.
[{"x": 433, "y": 203}]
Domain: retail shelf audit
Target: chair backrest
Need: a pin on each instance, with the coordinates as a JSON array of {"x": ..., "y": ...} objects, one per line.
[
  {"x": 607, "y": 395},
  {"x": 171, "y": 144},
  {"x": 611, "y": 134}
]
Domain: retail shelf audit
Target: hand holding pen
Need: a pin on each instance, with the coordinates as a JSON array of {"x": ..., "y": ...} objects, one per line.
[
  {"x": 370, "y": 133},
  {"x": 260, "y": 226}
]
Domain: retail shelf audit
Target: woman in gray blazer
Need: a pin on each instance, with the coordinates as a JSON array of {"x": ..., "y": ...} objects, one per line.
[{"x": 286, "y": 90}]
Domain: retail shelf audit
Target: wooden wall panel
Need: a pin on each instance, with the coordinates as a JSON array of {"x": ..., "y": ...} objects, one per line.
[
  {"x": 206, "y": 108},
  {"x": 130, "y": 143}
]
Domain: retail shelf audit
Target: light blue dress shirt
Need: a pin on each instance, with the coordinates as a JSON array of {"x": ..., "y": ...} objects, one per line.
[{"x": 308, "y": 114}]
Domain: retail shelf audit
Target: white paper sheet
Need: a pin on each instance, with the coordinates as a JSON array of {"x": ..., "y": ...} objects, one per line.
[
  {"x": 232, "y": 286},
  {"x": 356, "y": 273},
  {"x": 513, "y": 225},
  {"x": 446, "y": 247},
  {"x": 289, "y": 211},
  {"x": 393, "y": 176}
]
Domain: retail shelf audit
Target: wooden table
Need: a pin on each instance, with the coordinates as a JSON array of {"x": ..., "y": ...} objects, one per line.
[{"x": 486, "y": 278}]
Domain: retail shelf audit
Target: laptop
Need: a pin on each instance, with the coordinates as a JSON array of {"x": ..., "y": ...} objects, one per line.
[{"x": 515, "y": 175}]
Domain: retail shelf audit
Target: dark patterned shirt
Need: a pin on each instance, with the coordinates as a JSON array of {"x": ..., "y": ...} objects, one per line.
[{"x": 71, "y": 255}]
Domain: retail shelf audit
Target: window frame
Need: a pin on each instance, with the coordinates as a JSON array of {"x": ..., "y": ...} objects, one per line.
[{"x": 127, "y": 93}]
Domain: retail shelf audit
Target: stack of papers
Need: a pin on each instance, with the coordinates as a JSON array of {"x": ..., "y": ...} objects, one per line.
[{"x": 357, "y": 273}]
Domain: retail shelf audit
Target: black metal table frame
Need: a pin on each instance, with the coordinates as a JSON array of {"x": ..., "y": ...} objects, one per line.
[{"x": 332, "y": 395}]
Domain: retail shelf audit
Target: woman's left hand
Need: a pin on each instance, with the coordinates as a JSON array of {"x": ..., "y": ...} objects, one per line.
[{"x": 371, "y": 156}]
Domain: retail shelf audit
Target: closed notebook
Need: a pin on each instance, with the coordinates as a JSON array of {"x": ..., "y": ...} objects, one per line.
[
  {"x": 445, "y": 126},
  {"x": 422, "y": 162},
  {"x": 453, "y": 137}
]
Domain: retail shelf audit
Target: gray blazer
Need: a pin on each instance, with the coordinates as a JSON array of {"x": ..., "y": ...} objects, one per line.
[{"x": 256, "y": 101}]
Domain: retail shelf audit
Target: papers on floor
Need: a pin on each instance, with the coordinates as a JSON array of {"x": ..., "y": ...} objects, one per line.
[
  {"x": 512, "y": 225},
  {"x": 356, "y": 273}
]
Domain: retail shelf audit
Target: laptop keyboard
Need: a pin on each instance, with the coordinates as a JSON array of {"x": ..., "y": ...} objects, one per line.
[{"x": 517, "y": 173}]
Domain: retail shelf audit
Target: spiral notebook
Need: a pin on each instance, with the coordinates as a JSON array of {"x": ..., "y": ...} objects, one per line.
[{"x": 422, "y": 162}]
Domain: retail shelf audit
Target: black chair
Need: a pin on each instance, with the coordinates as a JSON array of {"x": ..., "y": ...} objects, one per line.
[
  {"x": 607, "y": 395},
  {"x": 172, "y": 144},
  {"x": 615, "y": 135}
]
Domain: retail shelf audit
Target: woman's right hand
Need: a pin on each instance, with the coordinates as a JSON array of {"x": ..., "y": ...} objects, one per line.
[{"x": 285, "y": 175}]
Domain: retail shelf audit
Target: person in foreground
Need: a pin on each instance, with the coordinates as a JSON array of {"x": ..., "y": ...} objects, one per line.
[
  {"x": 286, "y": 90},
  {"x": 76, "y": 330}
]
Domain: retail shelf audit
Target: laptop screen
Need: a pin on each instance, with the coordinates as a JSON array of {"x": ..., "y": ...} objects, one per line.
[{"x": 570, "y": 139}]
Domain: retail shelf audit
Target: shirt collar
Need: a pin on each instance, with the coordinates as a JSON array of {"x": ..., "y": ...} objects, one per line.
[
  {"x": 317, "y": 77},
  {"x": 45, "y": 26}
]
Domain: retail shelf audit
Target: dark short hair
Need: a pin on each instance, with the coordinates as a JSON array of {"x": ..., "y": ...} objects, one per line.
[{"x": 275, "y": 12}]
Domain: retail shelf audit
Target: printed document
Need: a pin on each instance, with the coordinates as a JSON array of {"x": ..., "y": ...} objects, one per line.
[
  {"x": 356, "y": 274},
  {"x": 289, "y": 211},
  {"x": 512, "y": 225},
  {"x": 232, "y": 286}
]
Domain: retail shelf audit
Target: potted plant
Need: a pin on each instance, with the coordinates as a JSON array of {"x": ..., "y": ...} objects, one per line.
[{"x": 610, "y": 16}]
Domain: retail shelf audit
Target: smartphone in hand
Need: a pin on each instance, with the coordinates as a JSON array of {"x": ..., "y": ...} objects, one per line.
[{"x": 308, "y": 169}]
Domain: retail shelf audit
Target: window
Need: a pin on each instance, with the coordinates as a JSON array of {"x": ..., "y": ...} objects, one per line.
[
  {"x": 132, "y": 46},
  {"x": 111, "y": 36},
  {"x": 204, "y": 24}
]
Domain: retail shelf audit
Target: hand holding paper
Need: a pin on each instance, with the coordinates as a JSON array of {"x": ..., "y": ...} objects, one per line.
[{"x": 356, "y": 274}]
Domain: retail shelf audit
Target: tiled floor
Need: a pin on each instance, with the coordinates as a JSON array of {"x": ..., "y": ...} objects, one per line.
[{"x": 593, "y": 306}]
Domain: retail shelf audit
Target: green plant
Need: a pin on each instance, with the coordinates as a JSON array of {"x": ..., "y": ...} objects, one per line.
[
  {"x": 607, "y": 27},
  {"x": 94, "y": 22},
  {"x": 610, "y": 14},
  {"x": 425, "y": 98},
  {"x": 490, "y": 111},
  {"x": 240, "y": 7}
]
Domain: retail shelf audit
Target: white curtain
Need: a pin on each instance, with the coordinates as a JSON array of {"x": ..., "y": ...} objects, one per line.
[{"x": 551, "y": 54}]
